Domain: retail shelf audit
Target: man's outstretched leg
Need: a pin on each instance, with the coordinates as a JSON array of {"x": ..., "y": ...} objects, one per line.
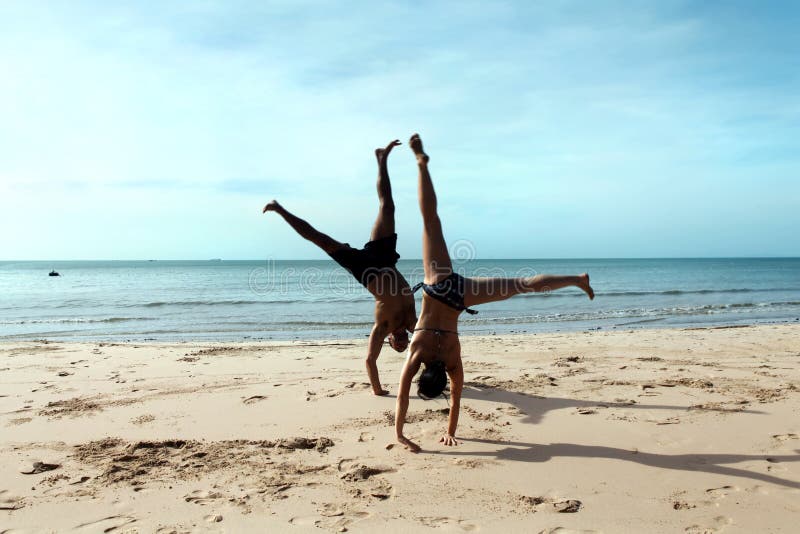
[
  {"x": 323, "y": 241},
  {"x": 384, "y": 223},
  {"x": 435, "y": 257},
  {"x": 483, "y": 290}
]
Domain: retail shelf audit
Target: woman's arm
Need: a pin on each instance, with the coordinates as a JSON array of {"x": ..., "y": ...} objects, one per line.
[
  {"x": 456, "y": 386},
  {"x": 409, "y": 370}
]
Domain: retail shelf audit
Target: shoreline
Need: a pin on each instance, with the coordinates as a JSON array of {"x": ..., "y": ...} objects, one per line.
[
  {"x": 559, "y": 430},
  {"x": 504, "y": 329}
]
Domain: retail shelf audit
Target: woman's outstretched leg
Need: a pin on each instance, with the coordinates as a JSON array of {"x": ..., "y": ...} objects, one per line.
[
  {"x": 483, "y": 290},
  {"x": 384, "y": 223},
  {"x": 435, "y": 257},
  {"x": 323, "y": 241}
]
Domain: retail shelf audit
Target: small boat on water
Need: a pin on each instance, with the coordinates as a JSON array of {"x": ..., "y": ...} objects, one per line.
[{"x": 53, "y": 273}]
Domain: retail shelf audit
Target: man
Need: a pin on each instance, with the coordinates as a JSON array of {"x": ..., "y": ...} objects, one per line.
[{"x": 374, "y": 267}]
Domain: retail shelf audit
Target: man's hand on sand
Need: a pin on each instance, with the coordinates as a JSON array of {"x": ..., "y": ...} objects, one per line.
[
  {"x": 383, "y": 153},
  {"x": 381, "y": 392},
  {"x": 448, "y": 440},
  {"x": 408, "y": 444}
]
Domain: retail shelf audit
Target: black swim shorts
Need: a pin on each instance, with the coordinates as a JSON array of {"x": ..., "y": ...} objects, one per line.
[{"x": 367, "y": 263}]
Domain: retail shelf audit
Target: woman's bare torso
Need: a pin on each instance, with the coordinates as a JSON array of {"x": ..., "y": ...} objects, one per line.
[{"x": 435, "y": 335}]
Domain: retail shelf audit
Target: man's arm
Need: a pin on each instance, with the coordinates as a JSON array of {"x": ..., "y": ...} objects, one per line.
[
  {"x": 456, "y": 387},
  {"x": 375, "y": 345},
  {"x": 409, "y": 370}
]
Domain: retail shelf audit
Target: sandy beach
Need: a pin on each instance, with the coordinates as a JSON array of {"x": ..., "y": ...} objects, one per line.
[{"x": 692, "y": 430}]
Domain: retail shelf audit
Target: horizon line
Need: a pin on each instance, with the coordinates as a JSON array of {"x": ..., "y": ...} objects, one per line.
[{"x": 220, "y": 260}]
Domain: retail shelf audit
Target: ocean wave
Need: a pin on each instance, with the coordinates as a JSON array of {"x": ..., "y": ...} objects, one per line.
[
  {"x": 338, "y": 324},
  {"x": 69, "y": 320},
  {"x": 266, "y": 328},
  {"x": 668, "y": 292},
  {"x": 158, "y": 304},
  {"x": 362, "y": 296},
  {"x": 305, "y": 322},
  {"x": 334, "y": 299},
  {"x": 708, "y": 309}
]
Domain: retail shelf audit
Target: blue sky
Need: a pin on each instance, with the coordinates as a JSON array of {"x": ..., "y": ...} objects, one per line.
[{"x": 557, "y": 129}]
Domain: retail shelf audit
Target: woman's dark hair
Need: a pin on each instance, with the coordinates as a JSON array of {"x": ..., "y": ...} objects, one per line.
[{"x": 432, "y": 381}]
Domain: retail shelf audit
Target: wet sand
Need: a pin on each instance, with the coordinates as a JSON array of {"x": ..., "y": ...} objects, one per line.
[{"x": 693, "y": 430}]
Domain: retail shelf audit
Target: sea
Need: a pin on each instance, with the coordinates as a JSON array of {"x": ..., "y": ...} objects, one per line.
[{"x": 220, "y": 300}]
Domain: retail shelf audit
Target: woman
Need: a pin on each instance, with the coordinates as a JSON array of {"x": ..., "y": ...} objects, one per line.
[{"x": 446, "y": 295}]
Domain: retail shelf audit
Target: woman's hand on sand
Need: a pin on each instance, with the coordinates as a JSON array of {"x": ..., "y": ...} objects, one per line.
[
  {"x": 448, "y": 440},
  {"x": 408, "y": 444}
]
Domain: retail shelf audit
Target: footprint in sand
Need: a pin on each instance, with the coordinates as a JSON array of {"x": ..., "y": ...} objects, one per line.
[
  {"x": 568, "y": 506},
  {"x": 357, "y": 472},
  {"x": 19, "y": 421},
  {"x": 722, "y": 492},
  {"x": 562, "y": 530},
  {"x": 107, "y": 524},
  {"x": 8, "y": 501},
  {"x": 305, "y": 521},
  {"x": 202, "y": 497},
  {"x": 331, "y": 510},
  {"x": 720, "y": 522},
  {"x": 358, "y": 385},
  {"x": 254, "y": 399},
  {"x": 564, "y": 506},
  {"x": 213, "y": 518},
  {"x": 447, "y": 522},
  {"x": 365, "y": 436},
  {"x": 142, "y": 419},
  {"x": 35, "y": 467},
  {"x": 785, "y": 437},
  {"x": 761, "y": 490},
  {"x": 668, "y": 421},
  {"x": 511, "y": 410},
  {"x": 332, "y": 518}
]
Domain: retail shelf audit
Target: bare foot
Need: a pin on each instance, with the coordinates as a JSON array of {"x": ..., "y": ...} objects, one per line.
[
  {"x": 272, "y": 206},
  {"x": 382, "y": 153},
  {"x": 585, "y": 285},
  {"x": 416, "y": 145}
]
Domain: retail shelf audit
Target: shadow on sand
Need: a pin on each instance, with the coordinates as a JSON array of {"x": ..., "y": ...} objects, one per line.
[
  {"x": 535, "y": 408},
  {"x": 709, "y": 463}
]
